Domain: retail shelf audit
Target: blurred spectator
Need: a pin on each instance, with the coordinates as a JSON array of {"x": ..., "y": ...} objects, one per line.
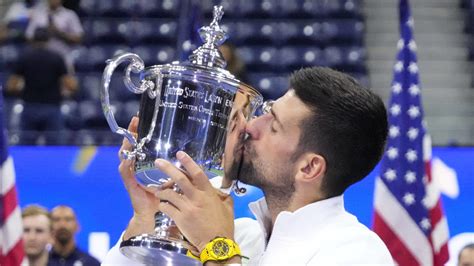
[
  {"x": 64, "y": 251},
  {"x": 466, "y": 256},
  {"x": 15, "y": 21},
  {"x": 36, "y": 234},
  {"x": 235, "y": 65},
  {"x": 38, "y": 77},
  {"x": 64, "y": 27}
]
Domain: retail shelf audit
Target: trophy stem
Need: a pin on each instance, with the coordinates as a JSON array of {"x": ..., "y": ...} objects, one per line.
[{"x": 165, "y": 245}]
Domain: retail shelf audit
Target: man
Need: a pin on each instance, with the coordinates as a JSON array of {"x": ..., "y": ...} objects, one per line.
[
  {"x": 466, "y": 256},
  {"x": 41, "y": 78},
  {"x": 36, "y": 234},
  {"x": 65, "y": 251},
  {"x": 325, "y": 134},
  {"x": 63, "y": 25}
]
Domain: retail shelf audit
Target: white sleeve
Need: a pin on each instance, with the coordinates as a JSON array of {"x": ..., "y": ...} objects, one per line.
[
  {"x": 249, "y": 236},
  {"x": 115, "y": 257}
]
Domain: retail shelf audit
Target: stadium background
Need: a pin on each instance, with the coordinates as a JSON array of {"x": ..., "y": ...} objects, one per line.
[{"x": 273, "y": 38}]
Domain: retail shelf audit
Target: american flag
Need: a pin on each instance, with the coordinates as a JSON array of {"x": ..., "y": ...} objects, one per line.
[
  {"x": 11, "y": 244},
  {"x": 408, "y": 214}
]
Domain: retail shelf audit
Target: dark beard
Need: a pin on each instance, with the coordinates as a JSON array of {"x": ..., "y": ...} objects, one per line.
[
  {"x": 63, "y": 236},
  {"x": 280, "y": 189}
]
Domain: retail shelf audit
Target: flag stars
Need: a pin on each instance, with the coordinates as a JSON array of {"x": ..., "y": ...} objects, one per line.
[
  {"x": 400, "y": 44},
  {"x": 425, "y": 224},
  {"x": 390, "y": 174},
  {"x": 410, "y": 22},
  {"x": 392, "y": 153},
  {"x": 414, "y": 90},
  {"x": 413, "y": 111},
  {"x": 396, "y": 88},
  {"x": 411, "y": 155},
  {"x": 412, "y": 45},
  {"x": 410, "y": 177},
  {"x": 412, "y": 133},
  {"x": 413, "y": 68},
  {"x": 395, "y": 109},
  {"x": 398, "y": 66},
  {"x": 409, "y": 199},
  {"x": 394, "y": 131}
]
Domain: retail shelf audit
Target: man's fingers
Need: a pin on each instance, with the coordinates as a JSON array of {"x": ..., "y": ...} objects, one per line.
[
  {"x": 170, "y": 210},
  {"x": 133, "y": 126},
  {"x": 195, "y": 172},
  {"x": 177, "y": 176},
  {"x": 126, "y": 146},
  {"x": 172, "y": 197}
]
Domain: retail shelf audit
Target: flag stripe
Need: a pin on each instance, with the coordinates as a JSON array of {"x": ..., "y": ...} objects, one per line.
[
  {"x": 9, "y": 203},
  {"x": 15, "y": 256},
  {"x": 397, "y": 218},
  {"x": 440, "y": 234},
  {"x": 11, "y": 230},
  {"x": 397, "y": 249},
  {"x": 7, "y": 176}
]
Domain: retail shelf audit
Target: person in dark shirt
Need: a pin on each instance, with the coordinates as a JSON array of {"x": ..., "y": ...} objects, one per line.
[
  {"x": 41, "y": 78},
  {"x": 64, "y": 251}
]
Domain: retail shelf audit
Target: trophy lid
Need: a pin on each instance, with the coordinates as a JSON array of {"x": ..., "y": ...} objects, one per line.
[{"x": 213, "y": 36}]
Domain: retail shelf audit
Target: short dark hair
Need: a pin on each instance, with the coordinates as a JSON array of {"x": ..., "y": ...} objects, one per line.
[{"x": 348, "y": 125}]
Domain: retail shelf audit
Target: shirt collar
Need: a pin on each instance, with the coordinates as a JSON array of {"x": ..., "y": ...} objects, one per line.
[{"x": 294, "y": 224}]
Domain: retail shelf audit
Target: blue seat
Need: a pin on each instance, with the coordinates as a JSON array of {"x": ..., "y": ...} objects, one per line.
[
  {"x": 91, "y": 115},
  {"x": 300, "y": 33},
  {"x": 13, "y": 109},
  {"x": 333, "y": 56},
  {"x": 354, "y": 59},
  {"x": 115, "y": 8},
  {"x": 98, "y": 54},
  {"x": 158, "y": 8},
  {"x": 87, "y": 8},
  {"x": 258, "y": 58},
  {"x": 261, "y": 33},
  {"x": 70, "y": 114},
  {"x": 270, "y": 85},
  {"x": 343, "y": 31},
  {"x": 105, "y": 31},
  {"x": 89, "y": 86},
  {"x": 258, "y": 9},
  {"x": 154, "y": 54},
  {"x": 146, "y": 31},
  {"x": 344, "y": 9},
  {"x": 302, "y": 9},
  {"x": 81, "y": 60},
  {"x": 9, "y": 55},
  {"x": 128, "y": 110}
]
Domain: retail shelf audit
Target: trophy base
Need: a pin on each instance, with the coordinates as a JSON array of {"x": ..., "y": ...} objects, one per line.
[{"x": 150, "y": 250}]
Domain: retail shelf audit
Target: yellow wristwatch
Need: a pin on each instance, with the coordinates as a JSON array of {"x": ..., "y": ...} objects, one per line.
[{"x": 219, "y": 249}]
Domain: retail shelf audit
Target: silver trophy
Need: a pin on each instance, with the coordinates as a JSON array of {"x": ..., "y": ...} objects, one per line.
[{"x": 185, "y": 106}]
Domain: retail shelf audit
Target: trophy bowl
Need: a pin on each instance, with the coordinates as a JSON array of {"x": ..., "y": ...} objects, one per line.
[{"x": 184, "y": 107}]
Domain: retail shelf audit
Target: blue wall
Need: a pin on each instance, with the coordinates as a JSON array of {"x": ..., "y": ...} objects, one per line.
[{"x": 87, "y": 179}]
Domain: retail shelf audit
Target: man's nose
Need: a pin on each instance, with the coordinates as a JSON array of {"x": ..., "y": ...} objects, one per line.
[{"x": 253, "y": 127}]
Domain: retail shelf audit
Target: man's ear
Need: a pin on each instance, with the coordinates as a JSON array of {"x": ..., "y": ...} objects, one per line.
[{"x": 311, "y": 168}]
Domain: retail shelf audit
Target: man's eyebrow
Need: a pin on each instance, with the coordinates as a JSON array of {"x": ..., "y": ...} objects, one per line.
[{"x": 276, "y": 117}]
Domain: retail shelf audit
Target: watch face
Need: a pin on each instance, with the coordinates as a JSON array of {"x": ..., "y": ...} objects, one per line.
[{"x": 220, "y": 248}]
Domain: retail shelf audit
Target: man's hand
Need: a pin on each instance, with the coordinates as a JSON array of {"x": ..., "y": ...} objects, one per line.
[
  {"x": 201, "y": 212},
  {"x": 144, "y": 203}
]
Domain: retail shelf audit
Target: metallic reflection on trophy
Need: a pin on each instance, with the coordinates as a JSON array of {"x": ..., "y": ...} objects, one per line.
[{"x": 189, "y": 106}]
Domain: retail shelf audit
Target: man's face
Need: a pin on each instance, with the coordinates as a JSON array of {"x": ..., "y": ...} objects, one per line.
[
  {"x": 235, "y": 137},
  {"x": 271, "y": 150},
  {"x": 466, "y": 257},
  {"x": 64, "y": 224},
  {"x": 36, "y": 234}
]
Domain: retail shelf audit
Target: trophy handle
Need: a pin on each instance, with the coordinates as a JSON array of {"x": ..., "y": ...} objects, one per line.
[{"x": 136, "y": 65}]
